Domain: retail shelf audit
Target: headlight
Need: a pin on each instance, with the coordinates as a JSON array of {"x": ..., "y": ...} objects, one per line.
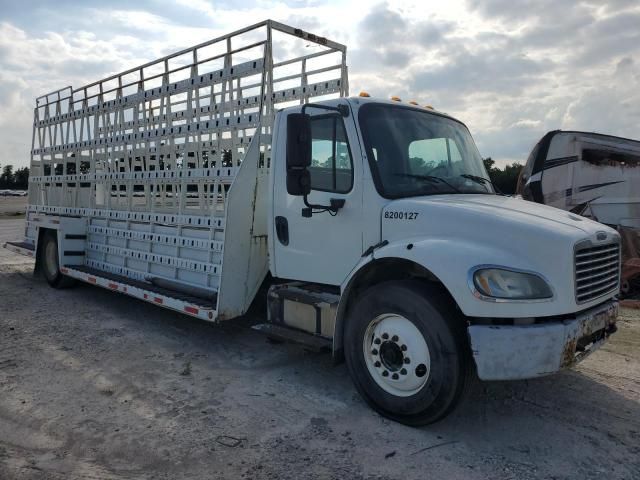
[{"x": 508, "y": 284}]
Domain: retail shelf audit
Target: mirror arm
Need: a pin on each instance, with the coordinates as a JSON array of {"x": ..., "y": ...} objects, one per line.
[
  {"x": 335, "y": 205},
  {"x": 342, "y": 109}
]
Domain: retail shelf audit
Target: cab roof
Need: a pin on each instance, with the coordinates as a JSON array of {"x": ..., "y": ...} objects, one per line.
[{"x": 359, "y": 101}]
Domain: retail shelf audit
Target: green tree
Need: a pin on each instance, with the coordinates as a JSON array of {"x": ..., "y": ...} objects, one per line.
[
  {"x": 505, "y": 180},
  {"x": 6, "y": 178},
  {"x": 21, "y": 178},
  {"x": 488, "y": 164}
]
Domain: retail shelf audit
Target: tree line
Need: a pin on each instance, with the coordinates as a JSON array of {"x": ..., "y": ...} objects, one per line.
[
  {"x": 504, "y": 180},
  {"x": 18, "y": 180}
]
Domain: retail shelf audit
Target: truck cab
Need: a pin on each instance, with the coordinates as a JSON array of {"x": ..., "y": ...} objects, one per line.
[{"x": 388, "y": 205}]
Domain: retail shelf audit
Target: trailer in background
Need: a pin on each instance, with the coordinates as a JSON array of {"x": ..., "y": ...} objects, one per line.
[{"x": 594, "y": 175}]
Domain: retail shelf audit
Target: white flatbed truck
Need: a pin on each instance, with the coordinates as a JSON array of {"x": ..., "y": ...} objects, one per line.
[{"x": 185, "y": 182}]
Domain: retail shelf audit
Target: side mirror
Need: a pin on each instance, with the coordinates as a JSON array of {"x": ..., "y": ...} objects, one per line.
[{"x": 298, "y": 154}]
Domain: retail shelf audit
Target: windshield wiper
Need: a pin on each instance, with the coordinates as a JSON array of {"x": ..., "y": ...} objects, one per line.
[
  {"x": 482, "y": 181},
  {"x": 429, "y": 178}
]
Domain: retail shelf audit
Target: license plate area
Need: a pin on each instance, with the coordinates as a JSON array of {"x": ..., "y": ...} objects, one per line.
[
  {"x": 598, "y": 320},
  {"x": 595, "y": 328}
]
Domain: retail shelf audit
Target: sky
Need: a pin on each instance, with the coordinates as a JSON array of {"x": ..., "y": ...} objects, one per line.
[{"x": 511, "y": 70}]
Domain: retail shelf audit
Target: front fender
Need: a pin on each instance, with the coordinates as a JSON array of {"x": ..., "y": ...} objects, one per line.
[{"x": 450, "y": 261}]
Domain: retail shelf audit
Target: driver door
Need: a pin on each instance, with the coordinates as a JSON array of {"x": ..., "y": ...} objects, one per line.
[{"x": 325, "y": 247}]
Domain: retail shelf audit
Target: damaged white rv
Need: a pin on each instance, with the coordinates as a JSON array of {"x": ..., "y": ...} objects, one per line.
[{"x": 594, "y": 175}]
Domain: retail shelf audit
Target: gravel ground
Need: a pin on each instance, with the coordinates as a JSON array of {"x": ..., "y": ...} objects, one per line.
[
  {"x": 99, "y": 386},
  {"x": 12, "y": 206}
]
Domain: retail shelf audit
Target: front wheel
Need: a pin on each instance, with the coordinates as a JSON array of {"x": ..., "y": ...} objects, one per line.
[{"x": 405, "y": 351}]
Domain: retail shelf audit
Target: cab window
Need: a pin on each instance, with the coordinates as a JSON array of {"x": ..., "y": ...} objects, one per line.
[{"x": 331, "y": 164}]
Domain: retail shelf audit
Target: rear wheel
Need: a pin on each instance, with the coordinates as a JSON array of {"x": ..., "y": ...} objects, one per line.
[
  {"x": 406, "y": 353},
  {"x": 50, "y": 263}
]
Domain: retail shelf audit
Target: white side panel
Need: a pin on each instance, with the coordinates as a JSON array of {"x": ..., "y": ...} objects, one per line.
[
  {"x": 70, "y": 246},
  {"x": 244, "y": 257}
]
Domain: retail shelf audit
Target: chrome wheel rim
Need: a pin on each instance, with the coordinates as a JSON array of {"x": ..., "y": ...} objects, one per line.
[{"x": 397, "y": 355}]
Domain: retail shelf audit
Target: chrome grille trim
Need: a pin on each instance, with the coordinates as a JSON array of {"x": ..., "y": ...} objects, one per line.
[{"x": 596, "y": 270}]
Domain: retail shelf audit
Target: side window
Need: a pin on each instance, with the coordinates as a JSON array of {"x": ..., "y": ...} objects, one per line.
[{"x": 331, "y": 165}]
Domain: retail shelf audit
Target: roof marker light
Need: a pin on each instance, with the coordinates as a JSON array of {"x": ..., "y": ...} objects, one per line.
[
  {"x": 429, "y": 107},
  {"x": 396, "y": 99},
  {"x": 364, "y": 94},
  {"x": 413, "y": 102}
]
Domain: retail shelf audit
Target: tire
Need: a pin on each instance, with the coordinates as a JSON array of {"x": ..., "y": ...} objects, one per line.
[
  {"x": 417, "y": 317},
  {"x": 50, "y": 262}
]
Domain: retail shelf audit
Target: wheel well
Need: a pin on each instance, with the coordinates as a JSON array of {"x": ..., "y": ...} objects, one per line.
[
  {"x": 41, "y": 233},
  {"x": 375, "y": 272}
]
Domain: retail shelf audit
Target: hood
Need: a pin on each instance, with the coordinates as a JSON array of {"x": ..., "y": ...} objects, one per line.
[
  {"x": 486, "y": 216},
  {"x": 450, "y": 235}
]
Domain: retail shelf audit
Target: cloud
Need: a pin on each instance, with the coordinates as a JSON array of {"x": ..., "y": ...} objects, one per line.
[
  {"x": 510, "y": 70},
  {"x": 32, "y": 66},
  {"x": 388, "y": 41},
  {"x": 606, "y": 110},
  {"x": 491, "y": 70},
  {"x": 522, "y": 69},
  {"x": 527, "y": 11}
]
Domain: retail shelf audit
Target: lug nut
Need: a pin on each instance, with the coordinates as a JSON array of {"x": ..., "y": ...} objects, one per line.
[
  {"x": 403, "y": 371},
  {"x": 394, "y": 338},
  {"x": 377, "y": 365},
  {"x": 377, "y": 341},
  {"x": 385, "y": 336},
  {"x": 385, "y": 374},
  {"x": 403, "y": 348},
  {"x": 374, "y": 352},
  {"x": 407, "y": 360},
  {"x": 395, "y": 376}
]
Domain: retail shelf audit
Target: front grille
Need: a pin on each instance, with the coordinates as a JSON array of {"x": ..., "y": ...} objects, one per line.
[{"x": 597, "y": 271}]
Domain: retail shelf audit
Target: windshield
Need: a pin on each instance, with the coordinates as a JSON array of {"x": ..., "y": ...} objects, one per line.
[{"x": 414, "y": 152}]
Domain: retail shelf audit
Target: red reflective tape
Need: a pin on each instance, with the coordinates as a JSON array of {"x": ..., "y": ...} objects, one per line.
[
  {"x": 146, "y": 296},
  {"x": 191, "y": 310},
  {"x": 64, "y": 270},
  {"x": 92, "y": 280},
  {"x": 158, "y": 300},
  {"x": 113, "y": 286}
]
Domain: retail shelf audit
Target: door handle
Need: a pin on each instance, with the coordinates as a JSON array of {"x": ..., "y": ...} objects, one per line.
[{"x": 282, "y": 230}]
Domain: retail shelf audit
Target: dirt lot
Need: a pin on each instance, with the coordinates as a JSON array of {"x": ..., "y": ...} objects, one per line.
[
  {"x": 99, "y": 386},
  {"x": 12, "y": 206}
]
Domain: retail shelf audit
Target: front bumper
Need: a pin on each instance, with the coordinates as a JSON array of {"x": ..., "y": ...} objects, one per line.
[{"x": 511, "y": 352}]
